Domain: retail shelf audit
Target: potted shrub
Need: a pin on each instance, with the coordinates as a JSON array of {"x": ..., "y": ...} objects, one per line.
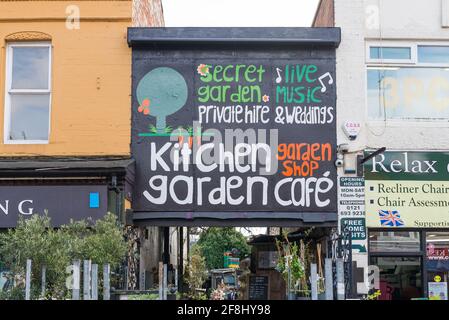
[{"x": 291, "y": 259}]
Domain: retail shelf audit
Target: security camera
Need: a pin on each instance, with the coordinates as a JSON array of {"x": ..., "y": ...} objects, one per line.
[
  {"x": 343, "y": 148},
  {"x": 339, "y": 163}
]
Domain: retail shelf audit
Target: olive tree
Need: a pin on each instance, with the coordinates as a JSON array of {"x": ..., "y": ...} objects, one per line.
[{"x": 35, "y": 238}]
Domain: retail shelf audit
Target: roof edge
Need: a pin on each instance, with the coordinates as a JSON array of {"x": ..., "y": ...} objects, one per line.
[{"x": 326, "y": 37}]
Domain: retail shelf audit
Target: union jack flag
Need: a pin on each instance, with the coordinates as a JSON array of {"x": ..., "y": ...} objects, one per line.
[{"x": 390, "y": 218}]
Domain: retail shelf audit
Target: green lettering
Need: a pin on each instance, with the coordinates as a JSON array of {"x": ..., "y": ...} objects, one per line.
[
  {"x": 217, "y": 70},
  {"x": 251, "y": 69},
  {"x": 311, "y": 69},
  {"x": 226, "y": 69},
  {"x": 203, "y": 94},
  {"x": 312, "y": 95}
]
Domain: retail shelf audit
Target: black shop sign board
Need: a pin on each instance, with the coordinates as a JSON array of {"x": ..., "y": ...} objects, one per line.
[
  {"x": 356, "y": 226},
  {"x": 61, "y": 202},
  {"x": 234, "y": 129},
  {"x": 258, "y": 288}
]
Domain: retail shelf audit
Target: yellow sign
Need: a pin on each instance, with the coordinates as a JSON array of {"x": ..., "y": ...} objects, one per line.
[
  {"x": 407, "y": 203},
  {"x": 437, "y": 278}
]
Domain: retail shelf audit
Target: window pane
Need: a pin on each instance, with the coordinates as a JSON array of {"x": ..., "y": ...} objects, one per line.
[
  {"x": 29, "y": 117},
  {"x": 394, "y": 241},
  {"x": 437, "y": 262},
  {"x": 400, "y": 278},
  {"x": 437, "y": 251},
  {"x": 390, "y": 53},
  {"x": 30, "y": 68},
  {"x": 408, "y": 93},
  {"x": 433, "y": 54}
]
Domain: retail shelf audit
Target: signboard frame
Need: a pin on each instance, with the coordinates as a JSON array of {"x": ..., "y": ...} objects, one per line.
[
  {"x": 194, "y": 67},
  {"x": 402, "y": 185}
]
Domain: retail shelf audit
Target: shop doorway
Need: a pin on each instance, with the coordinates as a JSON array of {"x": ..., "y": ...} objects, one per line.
[
  {"x": 255, "y": 275},
  {"x": 400, "y": 277},
  {"x": 437, "y": 264},
  {"x": 267, "y": 252},
  {"x": 398, "y": 255},
  {"x": 413, "y": 264}
]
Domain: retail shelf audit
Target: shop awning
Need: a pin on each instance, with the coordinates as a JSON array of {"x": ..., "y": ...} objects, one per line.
[{"x": 237, "y": 219}]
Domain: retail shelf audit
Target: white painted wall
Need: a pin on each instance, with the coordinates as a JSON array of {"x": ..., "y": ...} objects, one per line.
[
  {"x": 408, "y": 19},
  {"x": 396, "y": 20},
  {"x": 362, "y": 20}
]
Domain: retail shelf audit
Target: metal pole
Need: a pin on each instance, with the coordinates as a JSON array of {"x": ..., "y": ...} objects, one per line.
[
  {"x": 43, "y": 280},
  {"x": 314, "y": 281},
  {"x": 161, "y": 283},
  {"x": 106, "y": 283},
  {"x": 289, "y": 277},
  {"x": 328, "y": 279},
  {"x": 28, "y": 280},
  {"x": 76, "y": 280},
  {"x": 181, "y": 259},
  {"x": 165, "y": 286},
  {"x": 87, "y": 279},
  {"x": 349, "y": 264},
  {"x": 94, "y": 295},
  {"x": 340, "y": 279},
  {"x": 176, "y": 278},
  {"x": 166, "y": 255}
]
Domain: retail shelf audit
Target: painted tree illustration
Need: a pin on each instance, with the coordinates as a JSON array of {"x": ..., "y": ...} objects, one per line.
[{"x": 160, "y": 93}]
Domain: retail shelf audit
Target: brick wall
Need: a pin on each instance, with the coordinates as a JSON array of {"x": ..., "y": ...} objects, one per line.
[
  {"x": 148, "y": 13},
  {"x": 324, "y": 16},
  {"x": 91, "y": 78}
]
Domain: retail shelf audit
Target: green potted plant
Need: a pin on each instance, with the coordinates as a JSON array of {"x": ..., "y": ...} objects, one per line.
[
  {"x": 291, "y": 261},
  {"x": 196, "y": 274}
]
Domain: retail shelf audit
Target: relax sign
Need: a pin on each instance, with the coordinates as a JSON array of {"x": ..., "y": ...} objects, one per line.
[{"x": 407, "y": 189}]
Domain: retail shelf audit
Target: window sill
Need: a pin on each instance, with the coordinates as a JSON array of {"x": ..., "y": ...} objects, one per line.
[{"x": 25, "y": 142}]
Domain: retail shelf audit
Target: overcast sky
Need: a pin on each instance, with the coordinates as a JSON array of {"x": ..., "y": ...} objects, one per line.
[{"x": 239, "y": 13}]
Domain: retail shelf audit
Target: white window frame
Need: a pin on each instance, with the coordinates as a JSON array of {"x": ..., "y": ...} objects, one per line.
[
  {"x": 445, "y": 13},
  {"x": 9, "y": 91},
  {"x": 401, "y": 63},
  {"x": 431, "y": 64},
  {"x": 392, "y": 44}
]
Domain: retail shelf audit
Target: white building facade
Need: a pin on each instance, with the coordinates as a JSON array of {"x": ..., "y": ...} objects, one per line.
[{"x": 393, "y": 93}]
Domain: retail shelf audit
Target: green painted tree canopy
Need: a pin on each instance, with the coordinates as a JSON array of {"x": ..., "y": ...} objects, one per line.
[
  {"x": 214, "y": 242},
  {"x": 164, "y": 91}
]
